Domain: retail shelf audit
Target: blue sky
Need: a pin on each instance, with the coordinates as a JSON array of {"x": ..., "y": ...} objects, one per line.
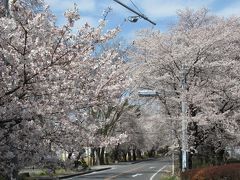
[{"x": 163, "y": 12}]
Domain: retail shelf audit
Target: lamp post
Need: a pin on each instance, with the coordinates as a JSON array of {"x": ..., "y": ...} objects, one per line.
[
  {"x": 152, "y": 93},
  {"x": 184, "y": 120},
  {"x": 139, "y": 15},
  {"x": 6, "y": 6}
]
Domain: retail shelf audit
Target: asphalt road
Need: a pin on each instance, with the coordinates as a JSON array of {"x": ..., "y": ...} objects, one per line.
[{"x": 146, "y": 170}]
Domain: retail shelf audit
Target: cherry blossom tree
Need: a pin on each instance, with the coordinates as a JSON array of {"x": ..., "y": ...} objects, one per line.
[
  {"x": 208, "y": 47},
  {"x": 112, "y": 130},
  {"x": 49, "y": 75}
]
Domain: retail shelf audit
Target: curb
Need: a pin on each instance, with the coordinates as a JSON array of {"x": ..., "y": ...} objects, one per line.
[
  {"x": 96, "y": 170},
  {"x": 82, "y": 173},
  {"x": 103, "y": 169}
]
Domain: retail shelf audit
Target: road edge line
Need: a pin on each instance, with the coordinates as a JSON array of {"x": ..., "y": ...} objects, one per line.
[{"x": 151, "y": 178}]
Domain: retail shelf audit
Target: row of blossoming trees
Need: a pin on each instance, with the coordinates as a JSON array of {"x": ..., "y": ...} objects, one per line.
[
  {"x": 63, "y": 91},
  {"x": 58, "y": 91},
  {"x": 208, "y": 47}
]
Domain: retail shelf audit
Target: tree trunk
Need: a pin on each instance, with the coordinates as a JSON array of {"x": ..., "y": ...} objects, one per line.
[
  {"x": 107, "y": 158},
  {"x": 92, "y": 155},
  {"x": 124, "y": 156},
  {"x": 190, "y": 161},
  {"x": 98, "y": 150},
  {"x": 13, "y": 175},
  {"x": 116, "y": 153},
  {"x": 129, "y": 155},
  {"x": 76, "y": 162},
  {"x": 220, "y": 157},
  {"x": 151, "y": 153},
  {"x": 139, "y": 155},
  {"x": 15, "y": 170},
  {"x": 134, "y": 155},
  {"x": 70, "y": 155},
  {"x": 180, "y": 159},
  {"x": 102, "y": 156}
]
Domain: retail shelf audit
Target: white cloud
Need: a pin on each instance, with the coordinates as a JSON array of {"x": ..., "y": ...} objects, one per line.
[
  {"x": 156, "y": 9},
  {"x": 162, "y": 8}
]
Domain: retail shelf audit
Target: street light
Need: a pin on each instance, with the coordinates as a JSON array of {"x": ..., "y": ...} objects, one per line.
[
  {"x": 135, "y": 12},
  {"x": 133, "y": 19},
  {"x": 153, "y": 93},
  {"x": 184, "y": 119},
  {"x": 6, "y": 6}
]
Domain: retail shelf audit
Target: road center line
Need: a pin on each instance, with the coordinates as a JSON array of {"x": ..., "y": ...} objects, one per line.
[
  {"x": 157, "y": 173},
  {"x": 112, "y": 177}
]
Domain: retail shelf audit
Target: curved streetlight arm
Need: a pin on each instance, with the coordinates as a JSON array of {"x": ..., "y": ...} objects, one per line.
[{"x": 139, "y": 14}]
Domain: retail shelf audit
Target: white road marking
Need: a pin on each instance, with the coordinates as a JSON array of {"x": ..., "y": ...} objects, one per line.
[
  {"x": 135, "y": 175},
  {"x": 151, "y": 167},
  {"x": 157, "y": 173}
]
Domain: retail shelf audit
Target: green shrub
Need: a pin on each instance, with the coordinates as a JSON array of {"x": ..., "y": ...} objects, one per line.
[
  {"x": 233, "y": 160},
  {"x": 24, "y": 175},
  {"x": 39, "y": 173},
  {"x": 63, "y": 171},
  {"x": 84, "y": 164}
]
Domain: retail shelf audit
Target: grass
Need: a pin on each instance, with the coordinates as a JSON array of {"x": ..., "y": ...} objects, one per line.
[
  {"x": 167, "y": 174},
  {"x": 64, "y": 171},
  {"x": 169, "y": 178},
  {"x": 44, "y": 173}
]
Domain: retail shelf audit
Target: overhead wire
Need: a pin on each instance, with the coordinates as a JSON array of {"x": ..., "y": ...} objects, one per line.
[
  {"x": 134, "y": 11},
  {"x": 139, "y": 10},
  {"x": 136, "y": 7}
]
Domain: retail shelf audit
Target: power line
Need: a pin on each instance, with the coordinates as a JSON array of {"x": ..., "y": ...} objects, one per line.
[
  {"x": 139, "y": 14},
  {"x": 136, "y": 7}
]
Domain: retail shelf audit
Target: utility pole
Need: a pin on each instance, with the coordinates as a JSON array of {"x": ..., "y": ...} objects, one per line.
[
  {"x": 137, "y": 13},
  {"x": 152, "y": 93},
  {"x": 184, "y": 120},
  {"x": 172, "y": 139},
  {"x": 6, "y": 6},
  {"x": 184, "y": 150}
]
